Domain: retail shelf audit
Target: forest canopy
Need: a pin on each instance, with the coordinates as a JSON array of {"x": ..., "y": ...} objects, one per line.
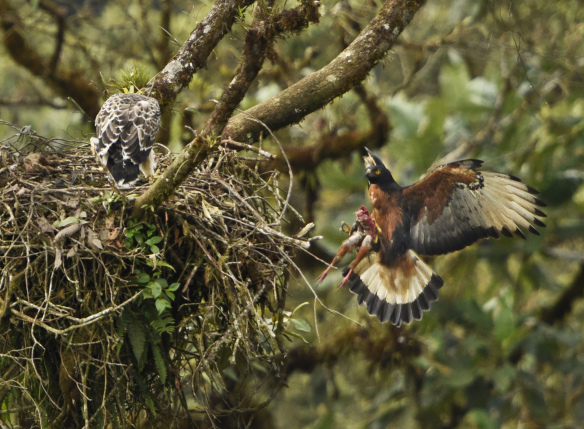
[{"x": 201, "y": 307}]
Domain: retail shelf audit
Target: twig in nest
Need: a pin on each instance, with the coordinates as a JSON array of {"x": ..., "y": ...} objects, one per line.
[
  {"x": 290, "y": 173},
  {"x": 232, "y": 143}
]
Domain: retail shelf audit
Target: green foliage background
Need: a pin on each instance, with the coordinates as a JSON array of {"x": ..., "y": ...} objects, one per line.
[{"x": 498, "y": 81}]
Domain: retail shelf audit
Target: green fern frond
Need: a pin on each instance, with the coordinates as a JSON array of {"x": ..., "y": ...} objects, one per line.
[
  {"x": 145, "y": 392},
  {"x": 137, "y": 336},
  {"x": 159, "y": 361},
  {"x": 163, "y": 324}
]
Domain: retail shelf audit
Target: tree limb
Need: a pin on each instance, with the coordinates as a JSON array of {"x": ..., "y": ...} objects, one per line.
[
  {"x": 64, "y": 81},
  {"x": 309, "y": 94},
  {"x": 193, "y": 54},
  {"x": 258, "y": 40},
  {"x": 329, "y": 146},
  {"x": 392, "y": 347},
  {"x": 318, "y": 89}
]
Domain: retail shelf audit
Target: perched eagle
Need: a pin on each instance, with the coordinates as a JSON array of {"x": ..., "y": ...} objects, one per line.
[
  {"x": 126, "y": 127},
  {"x": 451, "y": 208}
]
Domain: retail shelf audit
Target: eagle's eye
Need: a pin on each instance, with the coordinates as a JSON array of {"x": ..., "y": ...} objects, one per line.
[{"x": 377, "y": 171}]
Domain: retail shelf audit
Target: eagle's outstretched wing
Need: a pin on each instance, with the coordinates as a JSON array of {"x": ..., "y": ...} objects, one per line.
[
  {"x": 457, "y": 204},
  {"x": 126, "y": 127}
]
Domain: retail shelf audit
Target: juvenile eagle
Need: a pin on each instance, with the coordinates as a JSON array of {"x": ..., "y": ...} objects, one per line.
[
  {"x": 126, "y": 127},
  {"x": 451, "y": 208}
]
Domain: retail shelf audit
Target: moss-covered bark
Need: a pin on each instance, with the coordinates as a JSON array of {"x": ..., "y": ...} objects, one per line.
[{"x": 315, "y": 91}]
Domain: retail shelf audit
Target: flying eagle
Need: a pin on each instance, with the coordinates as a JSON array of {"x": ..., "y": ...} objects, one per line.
[
  {"x": 126, "y": 127},
  {"x": 451, "y": 208}
]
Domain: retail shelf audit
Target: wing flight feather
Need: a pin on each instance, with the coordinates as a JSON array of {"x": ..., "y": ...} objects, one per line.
[{"x": 457, "y": 204}]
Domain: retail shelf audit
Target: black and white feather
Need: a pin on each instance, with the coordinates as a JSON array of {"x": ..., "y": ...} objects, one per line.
[{"x": 126, "y": 127}]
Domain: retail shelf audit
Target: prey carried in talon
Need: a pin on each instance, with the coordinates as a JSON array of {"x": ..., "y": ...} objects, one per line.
[{"x": 362, "y": 236}]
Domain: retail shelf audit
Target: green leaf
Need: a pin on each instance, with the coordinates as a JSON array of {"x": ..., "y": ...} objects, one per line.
[
  {"x": 504, "y": 323},
  {"x": 173, "y": 287},
  {"x": 151, "y": 229},
  {"x": 155, "y": 288},
  {"x": 154, "y": 240},
  {"x": 503, "y": 377},
  {"x": 154, "y": 249},
  {"x": 143, "y": 277},
  {"x": 301, "y": 325},
  {"x": 295, "y": 335},
  {"x": 480, "y": 419},
  {"x": 162, "y": 282},
  {"x": 165, "y": 264},
  {"x": 460, "y": 378},
  {"x": 162, "y": 304},
  {"x": 130, "y": 232}
]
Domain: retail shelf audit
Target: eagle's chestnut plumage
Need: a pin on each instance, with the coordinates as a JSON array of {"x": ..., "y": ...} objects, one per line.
[{"x": 451, "y": 208}]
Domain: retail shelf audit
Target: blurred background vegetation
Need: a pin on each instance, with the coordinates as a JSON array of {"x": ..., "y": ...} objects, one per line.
[{"x": 501, "y": 81}]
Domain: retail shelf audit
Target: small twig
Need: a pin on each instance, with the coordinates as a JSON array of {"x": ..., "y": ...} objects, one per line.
[
  {"x": 79, "y": 322},
  {"x": 233, "y": 144},
  {"x": 290, "y": 173}
]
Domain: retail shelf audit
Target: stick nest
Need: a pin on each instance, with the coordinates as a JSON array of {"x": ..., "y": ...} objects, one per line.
[{"x": 105, "y": 319}]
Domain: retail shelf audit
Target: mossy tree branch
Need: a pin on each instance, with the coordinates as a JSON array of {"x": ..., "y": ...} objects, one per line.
[
  {"x": 347, "y": 70},
  {"x": 258, "y": 41},
  {"x": 318, "y": 89},
  {"x": 193, "y": 54},
  {"x": 68, "y": 82}
]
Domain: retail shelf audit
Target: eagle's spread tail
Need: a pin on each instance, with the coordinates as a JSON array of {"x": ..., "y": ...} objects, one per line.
[{"x": 397, "y": 293}]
